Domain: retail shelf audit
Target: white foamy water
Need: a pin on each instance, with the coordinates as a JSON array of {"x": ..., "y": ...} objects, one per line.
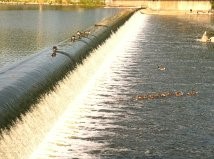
[
  {"x": 93, "y": 112},
  {"x": 46, "y": 122},
  {"x": 73, "y": 125}
]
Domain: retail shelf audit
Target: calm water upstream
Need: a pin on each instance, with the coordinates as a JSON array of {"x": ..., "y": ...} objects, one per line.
[
  {"x": 25, "y": 30},
  {"x": 102, "y": 119}
]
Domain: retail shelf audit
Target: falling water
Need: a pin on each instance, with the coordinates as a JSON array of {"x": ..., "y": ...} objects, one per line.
[
  {"x": 55, "y": 107},
  {"x": 93, "y": 113},
  {"x": 93, "y": 69}
]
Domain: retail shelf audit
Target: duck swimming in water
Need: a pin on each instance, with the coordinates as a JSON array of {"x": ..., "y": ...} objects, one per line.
[
  {"x": 192, "y": 93},
  {"x": 161, "y": 68},
  {"x": 211, "y": 39},
  {"x": 141, "y": 97},
  {"x": 179, "y": 93},
  {"x": 157, "y": 95}
]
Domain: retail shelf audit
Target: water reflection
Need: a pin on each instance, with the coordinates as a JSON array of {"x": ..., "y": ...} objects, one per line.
[
  {"x": 102, "y": 120},
  {"x": 28, "y": 30},
  {"x": 108, "y": 123}
]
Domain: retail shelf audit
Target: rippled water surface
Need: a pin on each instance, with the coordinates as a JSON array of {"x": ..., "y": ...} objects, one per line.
[
  {"x": 108, "y": 122},
  {"x": 25, "y": 30}
]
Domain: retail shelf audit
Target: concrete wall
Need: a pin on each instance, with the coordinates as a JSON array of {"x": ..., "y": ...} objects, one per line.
[
  {"x": 181, "y": 5},
  {"x": 129, "y": 3},
  {"x": 24, "y": 82}
]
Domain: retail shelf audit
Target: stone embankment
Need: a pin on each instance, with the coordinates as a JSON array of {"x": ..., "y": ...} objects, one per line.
[{"x": 176, "y": 12}]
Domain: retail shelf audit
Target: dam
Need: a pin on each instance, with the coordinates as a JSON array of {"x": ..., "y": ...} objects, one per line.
[{"x": 92, "y": 112}]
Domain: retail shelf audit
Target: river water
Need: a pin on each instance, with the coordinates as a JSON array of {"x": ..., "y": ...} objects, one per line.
[
  {"x": 101, "y": 114},
  {"x": 106, "y": 121},
  {"x": 26, "y": 30}
]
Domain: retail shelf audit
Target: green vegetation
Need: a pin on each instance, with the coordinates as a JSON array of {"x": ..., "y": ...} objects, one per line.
[
  {"x": 84, "y": 3},
  {"x": 212, "y": 3},
  {"x": 92, "y": 3}
]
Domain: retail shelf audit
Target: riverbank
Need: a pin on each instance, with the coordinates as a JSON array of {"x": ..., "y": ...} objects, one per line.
[{"x": 85, "y": 5}]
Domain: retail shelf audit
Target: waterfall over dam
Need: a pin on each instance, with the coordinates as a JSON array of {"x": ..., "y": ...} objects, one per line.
[
  {"x": 23, "y": 83},
  {"x": 36, "y": 75},
  {"x": 94, "y": 111}
]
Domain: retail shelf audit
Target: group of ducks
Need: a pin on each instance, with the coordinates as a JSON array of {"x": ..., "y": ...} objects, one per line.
[
  {"x": 157, "y": 95},
  {"x": 164, "y": 94},
  {"x": 147, "y": 96},
  {"x": 78, "y": 36}
]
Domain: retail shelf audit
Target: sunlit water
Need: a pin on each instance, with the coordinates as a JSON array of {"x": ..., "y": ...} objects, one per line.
[
  {"x": 93, "y": 113},
  {"x": 26, "y": 30},
  {"x": 106, "y": 122}
]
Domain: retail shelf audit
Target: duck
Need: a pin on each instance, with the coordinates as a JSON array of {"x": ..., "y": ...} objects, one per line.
[
  {"x": 178, "y": 93},
  {"x": 79, "y": 34},
  {"x": 161, "y": 68},
  {"x": 86, "y": 33},
  {"x": 156, "y": 95},
  {"x": 150, "y": 96},
  {"x": 192, "y": 93},
  {"x": 163, "y": 94},
  {"x": 73, "y": 38},
  {"x": 168, "y": 94},
  {"x": 211, "y": 39},
  {"x": 54, "y": 51},
  {"x": 141, "y": 97}
]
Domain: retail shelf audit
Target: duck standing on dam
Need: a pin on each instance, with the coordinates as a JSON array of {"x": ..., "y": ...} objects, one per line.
[
  {"x": 114, "y": 101},
  {"x": 36, "y": 71},
  {"x": 32, "y": 78}
]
